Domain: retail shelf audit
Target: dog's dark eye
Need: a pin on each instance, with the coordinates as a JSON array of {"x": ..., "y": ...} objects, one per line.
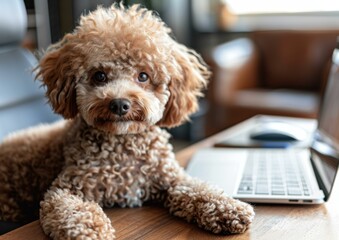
[
  {"x": 143, "y": 77},
  {"x": 100, "y": 77}
]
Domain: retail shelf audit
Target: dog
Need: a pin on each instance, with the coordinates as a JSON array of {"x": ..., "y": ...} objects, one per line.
[{"x": 117, "y": 79}]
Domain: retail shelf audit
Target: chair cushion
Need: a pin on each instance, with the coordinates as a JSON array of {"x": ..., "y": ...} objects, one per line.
[
  {"x": 17, "y": 78},
  {"x": 22, "y": 100},
  {"x": 286, "y": 101}
]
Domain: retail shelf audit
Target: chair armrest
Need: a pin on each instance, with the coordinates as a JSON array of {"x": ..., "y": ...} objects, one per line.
[{"x": 236, "y": 67}]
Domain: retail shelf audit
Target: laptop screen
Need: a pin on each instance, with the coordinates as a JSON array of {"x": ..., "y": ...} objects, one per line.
[{"x": 325, "y": 150}]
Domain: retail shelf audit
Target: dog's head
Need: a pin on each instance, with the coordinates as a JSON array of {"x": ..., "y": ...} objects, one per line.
[{"x": 122, "y": 72}]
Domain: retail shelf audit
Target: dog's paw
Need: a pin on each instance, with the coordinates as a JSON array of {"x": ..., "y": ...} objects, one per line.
[
  {"x": 238, "y": 216},
  {"x": 225, "y": 215},
  {"x": 67, "y": 216}
]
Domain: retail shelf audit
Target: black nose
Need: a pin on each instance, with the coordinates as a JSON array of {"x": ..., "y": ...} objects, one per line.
[{"x": 120, "y": 106}]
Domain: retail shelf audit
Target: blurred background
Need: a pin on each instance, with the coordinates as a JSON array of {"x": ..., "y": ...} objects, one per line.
[{"x": 267, "y": 57}]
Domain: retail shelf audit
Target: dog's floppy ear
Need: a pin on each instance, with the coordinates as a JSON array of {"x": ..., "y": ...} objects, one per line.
[
  {"x": 185, "y": 86},
  {"x": 57, "y": 74}
]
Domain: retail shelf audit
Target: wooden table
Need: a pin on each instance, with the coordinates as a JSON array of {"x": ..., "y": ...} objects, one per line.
[{"x": 320, "y": 222}]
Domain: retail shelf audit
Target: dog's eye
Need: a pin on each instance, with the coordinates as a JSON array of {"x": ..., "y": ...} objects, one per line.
[
  {"x": 143, "y": 77},
  {"x": 100, "y": 77}
]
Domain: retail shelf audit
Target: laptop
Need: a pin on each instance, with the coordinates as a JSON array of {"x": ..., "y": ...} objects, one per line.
[{"x": 280, "y": 175}]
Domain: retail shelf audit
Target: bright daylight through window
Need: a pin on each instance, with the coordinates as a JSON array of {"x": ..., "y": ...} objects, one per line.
[{"x": 279, "y": 6}]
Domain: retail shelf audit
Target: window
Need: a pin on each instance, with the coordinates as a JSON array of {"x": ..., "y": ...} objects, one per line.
[
  {"x": 248, "y": 15},
  {"x": 281, "y": 6}
]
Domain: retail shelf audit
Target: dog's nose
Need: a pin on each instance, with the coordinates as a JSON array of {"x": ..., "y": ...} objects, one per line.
[{"x": 120, "y": 106}]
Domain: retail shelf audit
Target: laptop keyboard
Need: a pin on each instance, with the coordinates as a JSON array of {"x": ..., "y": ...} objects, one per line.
[{"x": 273, "y": 173}]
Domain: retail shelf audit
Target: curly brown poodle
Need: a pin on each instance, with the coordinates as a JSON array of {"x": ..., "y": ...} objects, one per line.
[{"x": 116, "y": 80}]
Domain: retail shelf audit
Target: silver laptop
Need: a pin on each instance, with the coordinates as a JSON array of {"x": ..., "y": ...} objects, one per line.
[{"x": 290, "y": 175}]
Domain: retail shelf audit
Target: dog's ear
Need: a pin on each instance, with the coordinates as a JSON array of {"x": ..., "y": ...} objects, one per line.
[
  {"x": 57, "y": 74},
  {"x": 185, "y": 86}
]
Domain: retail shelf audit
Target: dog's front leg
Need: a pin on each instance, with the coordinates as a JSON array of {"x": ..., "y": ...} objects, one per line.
[
  {"x": 199, "y": 202},
  {"x": 67, "y": 216}
]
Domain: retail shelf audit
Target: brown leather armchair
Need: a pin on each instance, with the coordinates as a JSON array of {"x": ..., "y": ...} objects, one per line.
[{"x": 271, "y": 72}]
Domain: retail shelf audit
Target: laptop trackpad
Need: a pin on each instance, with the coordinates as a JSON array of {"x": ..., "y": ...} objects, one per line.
[{"x": 221, "y": 167}]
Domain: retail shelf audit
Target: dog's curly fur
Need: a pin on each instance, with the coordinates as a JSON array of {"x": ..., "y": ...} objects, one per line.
[{"x": 99, "y": 157}]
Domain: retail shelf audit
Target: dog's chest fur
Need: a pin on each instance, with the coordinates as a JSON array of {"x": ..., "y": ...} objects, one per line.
[{"x": 125, "y": 169}]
